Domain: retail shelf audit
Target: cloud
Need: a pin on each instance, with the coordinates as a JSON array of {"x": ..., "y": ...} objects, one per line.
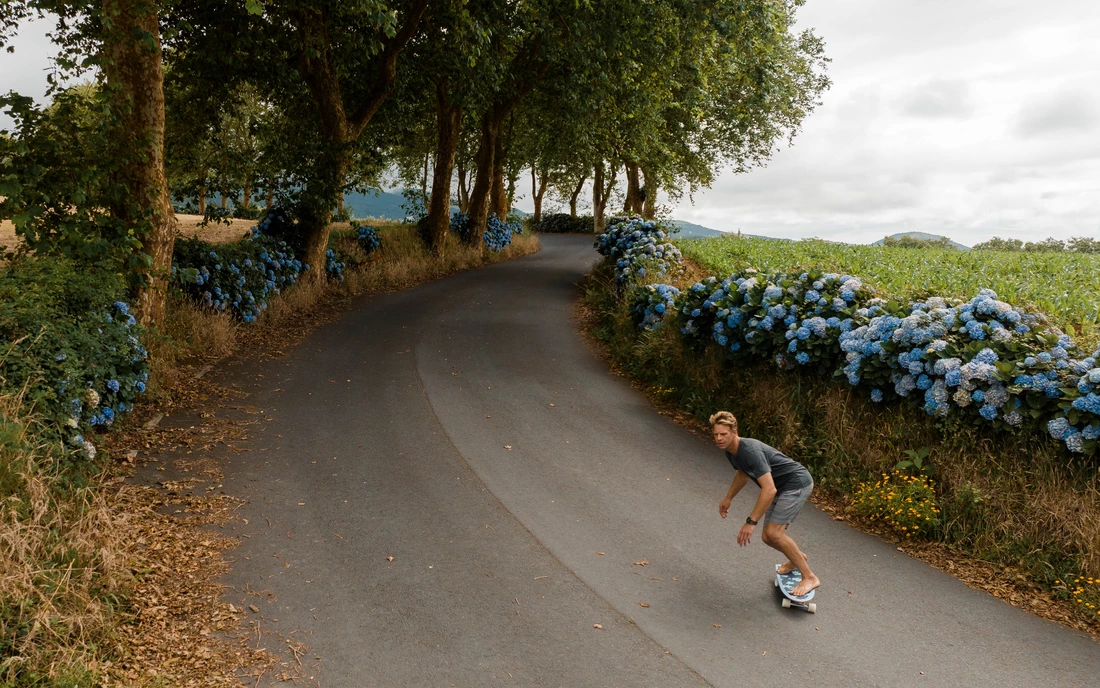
[
  {"x": 1066, "y": 111},
  {"x": 949, "y": 98}
]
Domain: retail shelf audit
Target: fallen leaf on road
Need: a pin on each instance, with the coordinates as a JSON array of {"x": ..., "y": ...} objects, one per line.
[
  {"x": 551, "y": 404},
  {"x": 301, "y": 503},
  {"x": 508, "y": 447},
  {"x": 675, "y": 579},
  {"x": 643, "y": 604},
  {"x": 643, "y": 562},
  {"x": 600, "y": 553},
  {"x": 389, "y": 558},
  {"x": 763, "y": 653},
  {"x": 597, "y": 626},
  {"x": 717, "y": 625},
  {"x": 541, "y": 577},
  {"x": 254, "y": 608}
]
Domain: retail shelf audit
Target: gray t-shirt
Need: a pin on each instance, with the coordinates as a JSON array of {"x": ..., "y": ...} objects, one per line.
[{"x": 754, "y": 459}]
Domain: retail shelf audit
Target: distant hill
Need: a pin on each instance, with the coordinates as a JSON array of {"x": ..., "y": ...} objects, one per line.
[
  {"x": 921, "y": 236},
  {"x": 690, "y": 230},
  {"x": 386, "y": 206}
]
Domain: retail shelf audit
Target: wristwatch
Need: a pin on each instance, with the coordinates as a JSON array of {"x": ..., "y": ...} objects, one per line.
[{"x": 749, "y": 521}]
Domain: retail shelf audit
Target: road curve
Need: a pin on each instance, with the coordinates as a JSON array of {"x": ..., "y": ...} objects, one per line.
[{"x": 465, "y": 429}]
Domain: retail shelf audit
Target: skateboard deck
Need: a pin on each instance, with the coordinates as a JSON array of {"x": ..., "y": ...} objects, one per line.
[{"x": 789, "y": 581}]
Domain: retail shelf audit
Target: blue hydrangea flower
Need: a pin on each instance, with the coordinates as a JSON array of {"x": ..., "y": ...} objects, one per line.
[{"x": 876, "y": 395}]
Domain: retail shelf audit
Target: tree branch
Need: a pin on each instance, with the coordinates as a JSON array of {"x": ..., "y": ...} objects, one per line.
[{"x": 387, "y": 70}]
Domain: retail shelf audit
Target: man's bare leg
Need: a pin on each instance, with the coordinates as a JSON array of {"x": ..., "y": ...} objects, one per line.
[
  {"x": 789, "y": 565},
  {"x": 775, "y": 536}
]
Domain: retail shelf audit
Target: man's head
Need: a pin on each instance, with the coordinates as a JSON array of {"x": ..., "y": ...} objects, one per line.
[{"x": 724, "y": 425}]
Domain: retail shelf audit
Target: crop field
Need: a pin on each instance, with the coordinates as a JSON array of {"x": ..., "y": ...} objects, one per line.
[{"x": 1063, "y": 286}]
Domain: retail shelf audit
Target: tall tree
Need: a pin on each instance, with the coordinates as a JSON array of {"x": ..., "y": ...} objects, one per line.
[{"x": 120, "y": 40}]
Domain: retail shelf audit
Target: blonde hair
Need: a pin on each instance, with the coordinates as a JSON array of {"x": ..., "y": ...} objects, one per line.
[{"x": 724, "y": 418}]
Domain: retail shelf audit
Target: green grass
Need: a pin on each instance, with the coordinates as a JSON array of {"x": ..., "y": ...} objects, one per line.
[{"x": 1063, "y": 286}]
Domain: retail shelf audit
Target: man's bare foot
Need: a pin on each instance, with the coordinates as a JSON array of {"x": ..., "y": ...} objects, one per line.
[
  {"x": 806, "y": 586},
  {"x": 788, "y": 567}
]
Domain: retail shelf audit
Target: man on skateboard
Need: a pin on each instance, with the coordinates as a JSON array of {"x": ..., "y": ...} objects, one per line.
[{"x": 784, "y": 486}]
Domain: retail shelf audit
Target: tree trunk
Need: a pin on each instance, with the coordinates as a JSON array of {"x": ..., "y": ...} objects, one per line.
[
  {"x": 649, "y": 194},
  {"x": 498, "y": 197},
  {"x": 247, "y": 195},
  {"x": 339, "y": 128},
  {"x": 538, "y": 190},
  {"x": 448, "y": 122},
  {"x": 424, "y": 182},
  {"x": 340, "y": 204},
  {"x": 601, "y": 194},
  {"x": 576, "y": 193},
  {"x": 224, "y": 199},
  {"x": 479, "y": 196},
  {"x": 202, "y": 200},
  {"x": 463, "y": 189},
  {"x": 270, "y": 197},
  {"x": 633, "y": 204},
  {"x": 133, "y": 69}
]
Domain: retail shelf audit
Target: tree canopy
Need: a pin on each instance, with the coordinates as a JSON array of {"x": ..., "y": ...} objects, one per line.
[{"x": 293, "y": 103}]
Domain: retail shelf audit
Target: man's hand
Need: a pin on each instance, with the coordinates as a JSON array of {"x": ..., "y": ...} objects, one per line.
[
  {"x": 745, "y": 536},
  {"x": 724, "y": 508}
]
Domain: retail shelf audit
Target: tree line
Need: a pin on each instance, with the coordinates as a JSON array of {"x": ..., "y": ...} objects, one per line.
[{"x": 296, "y": 103}]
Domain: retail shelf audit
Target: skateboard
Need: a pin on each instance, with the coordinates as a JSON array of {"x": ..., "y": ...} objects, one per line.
[{"x": 789, "y": 581}]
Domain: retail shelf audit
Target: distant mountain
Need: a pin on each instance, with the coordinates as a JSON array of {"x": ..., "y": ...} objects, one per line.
[
  {"x": 690, "y": 230},
  {"x": 921, "y": 236},
  {"x": 384, "y": 206}
]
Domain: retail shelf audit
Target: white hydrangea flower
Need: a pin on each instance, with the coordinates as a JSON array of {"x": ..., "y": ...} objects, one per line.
[
  {"x": 93, "y": 398},
  {"x": 90, "y": 448}
]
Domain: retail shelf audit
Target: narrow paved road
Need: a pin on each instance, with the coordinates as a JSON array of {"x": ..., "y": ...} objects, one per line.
[{"x": 465, "y": 429}]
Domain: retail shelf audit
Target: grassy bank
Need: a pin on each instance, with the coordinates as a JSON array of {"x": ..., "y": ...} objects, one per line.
[
  {"x": 1016, "y": 501},
  {"x": 99, "y": 585}
]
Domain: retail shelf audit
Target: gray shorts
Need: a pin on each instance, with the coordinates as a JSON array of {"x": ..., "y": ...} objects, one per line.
[{"x": 786, "y": 505}]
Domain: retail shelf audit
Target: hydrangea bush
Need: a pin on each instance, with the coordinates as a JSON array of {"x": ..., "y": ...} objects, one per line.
[
  {"x": 498, "y": 233},
  {"x": 238, "y": 277},
  {"x": 367, "y": 238},
  {"x": 242, "y": 277},
  {"x": 74, "y": 351},
  {"x": 639, "y": 248},
  {"x": 982, "y": 360}
]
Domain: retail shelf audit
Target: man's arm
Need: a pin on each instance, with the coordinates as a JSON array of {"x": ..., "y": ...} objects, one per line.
[
  {"x": 739, "y": 480},
  {"x": 767, "y": 494}
]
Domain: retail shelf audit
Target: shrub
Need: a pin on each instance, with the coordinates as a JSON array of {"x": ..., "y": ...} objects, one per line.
[
  {"x": 982, "y": 359},
  {"x": 498, "y": 234},
  {"x": 367, "y": 238},
  {"x": 638, "y": 247},
  {"x": 904, "y": 502},
  {"x": 238, "y": 277},
  {"x": 561, "y": 223},
  {"x": 74, "y": 352}
]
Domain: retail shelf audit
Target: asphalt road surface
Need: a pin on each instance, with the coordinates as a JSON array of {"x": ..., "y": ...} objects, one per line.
[{"x": 465, "y": 429}]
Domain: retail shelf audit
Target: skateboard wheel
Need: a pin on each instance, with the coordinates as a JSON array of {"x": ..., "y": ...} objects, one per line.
[
  {"x": 776, "y": 583},
  {"x": 812, "y": 608},
  {"x": 786, "y": 603}
]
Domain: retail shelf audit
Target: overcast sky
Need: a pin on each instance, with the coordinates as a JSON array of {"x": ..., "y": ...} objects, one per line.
[{"x": 961, "y": 117}]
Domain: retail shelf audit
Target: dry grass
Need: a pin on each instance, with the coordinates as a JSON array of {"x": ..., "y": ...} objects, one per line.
[
  {"x": 186, "y": 226},
  {"x": 62, "y": 566}
]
